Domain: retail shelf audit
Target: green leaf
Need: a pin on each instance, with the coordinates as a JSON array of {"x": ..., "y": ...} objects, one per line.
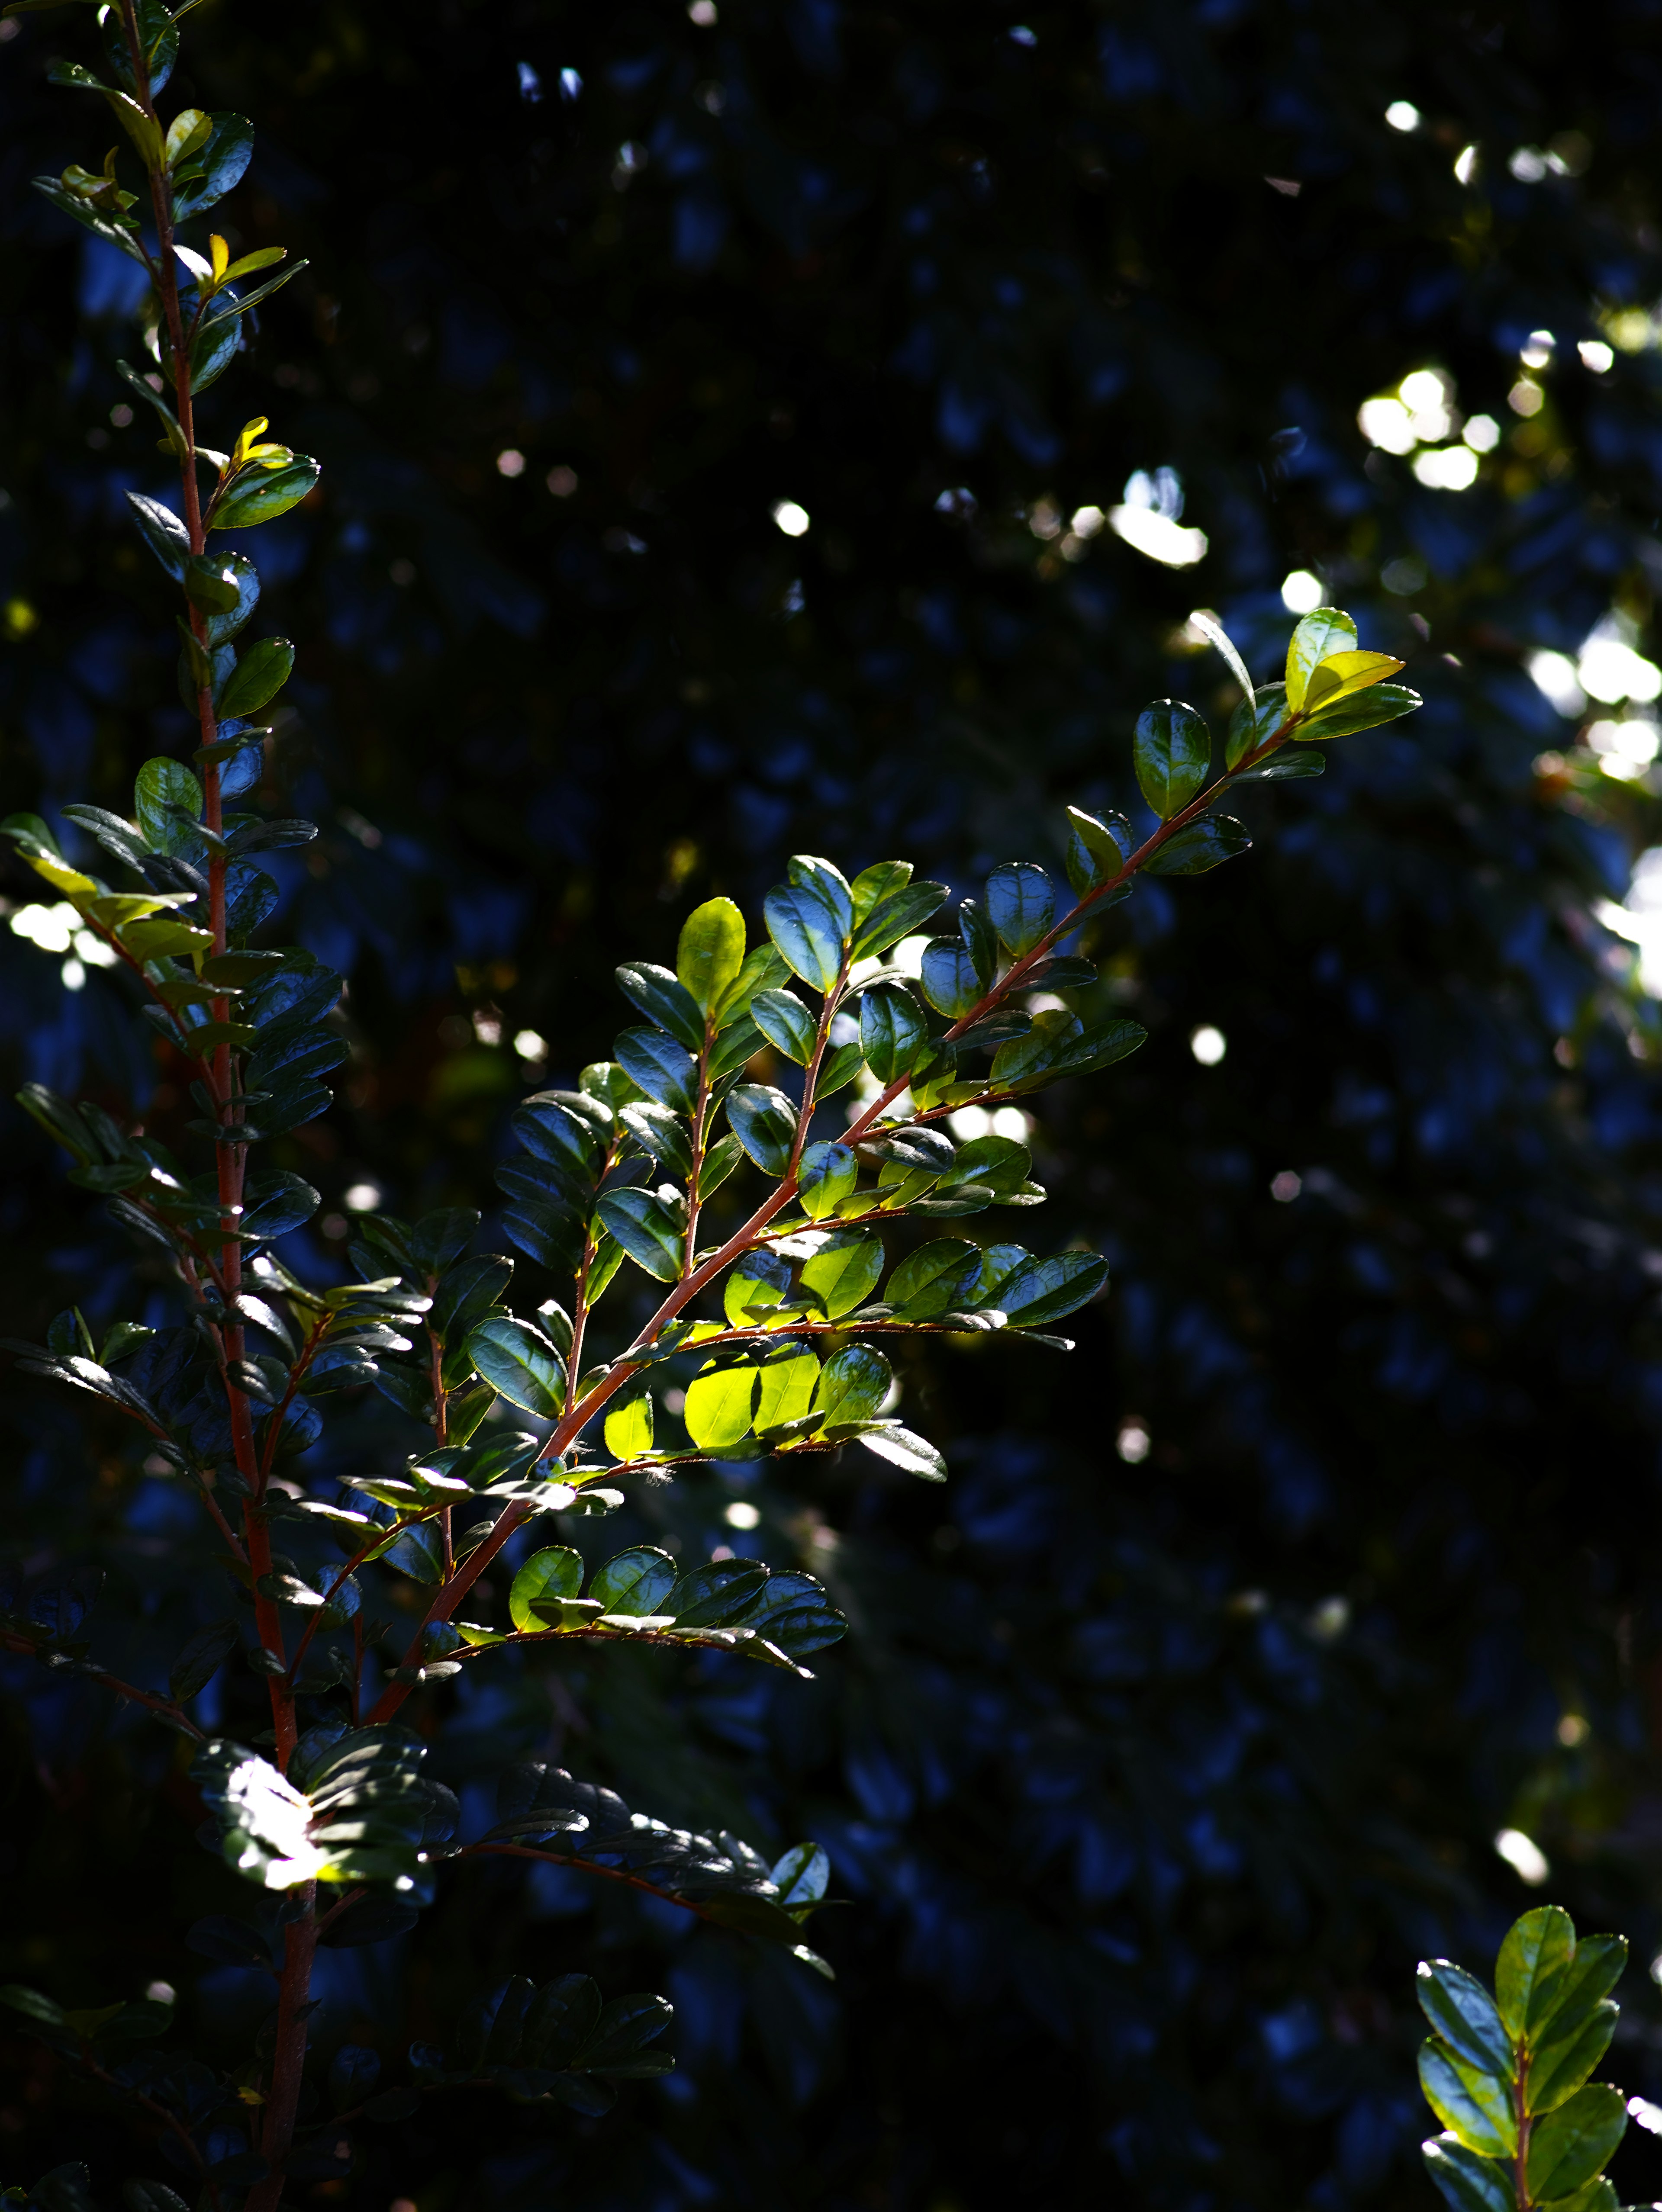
[
  {"x": 1462, "y": 2011},
  {"x": 118, "y": 230},
  {"x": 949, "y": 980},
  {"x": 723, "y": 1156},
  {"x": 901, "y": 912},
  {"x": 720, "y": 1404},
  {"x": 1171, "y": 753},
  {"x": 808, "y": 930},
  {"x": 210, "y": 584},
  {"x": 1342, "y": 675},
  {"x": 1476, "y": 2105},
  {"x": 219, "y": 164},
  {"x": 853, "y": 1384},
  {"x": 629, "y": 1428},
  {"x": 635, "y": 1583},
  {"x": 465, "y": 1293},
  {"x": 163, "y": 532},
  {"x": 658, "y": 1065},
  {"x": 1045, "y": 1290},
  {"x": 802, "y": 1876},
  {"x": 1324, "y": 632},
  {"x": 1560, "y": 2067},
  {"x": 761, "y": 970},
  {"x": 1565, "y": 1999},
  {"x": 1020, "y": 1059},
  {"x": 520, "y": 1363},
  {"x": 785, "y": 1391},
  {"x": 1203, "y": 845},
  {"x": 901, "y": 1448},
  {"x": 1250, "y": 727},
  {"x": 1100, "y": 1048},
  {"x": 223, "y": 627},
  {"x": 1569, "y": 2146},
  {"x": 786, "y": 1024},
  {"x": 663, "y": 1136},
  {"x": 1020, "y": 904},
  {"x": 259, "y": 677},
  {"x": 1365, "y": 711},
  {"x": 1098, "y": 847},
  {"x": 201, "y": 1659},
  {"x": 758, "y": 1281},
  {"x": 542, "y": 1582},
  {"x": 765, "y": 1122},
  {"x": 893, "y": 1034},
  {"x": 1536, "y": 1949},
  {"x": 711, "y": 953},
  {"x": 1211, "y": 629},
  {"x": 664, "y": 1000},
  {"x": 160, "y": 787},
  {"x": 1596, "y": 2195},
  {"x": 650, "y": 1225},
  {"x": 261, "y": 494},
  {"x": 826, "y": 1175},
  {"x": 566, "y": 1129},
  {"x": 32, "y": 2004},
  {"x": 836, "y": 1070},
  {"x": 1292, "y": 763},
  {"x": 935, "y": 1278},
  {"x": 842, "y": 1273},
  {"x": 1470, "y": 2182},
  {"x": 882, "y": 880}
]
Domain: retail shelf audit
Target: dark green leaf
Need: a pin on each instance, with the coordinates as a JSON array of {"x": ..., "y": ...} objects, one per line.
[
  {"x": 758, "y": 1281},
  {"x": 1171, "y": 752},
  {"x": 201, "y": 1659},
  {"x": 565, "y": 1127},
  {"x": 163, "y": 532},
  {"x": 220, "y": 164},
  {"x": 1020, "y": 904},
  {"x": 1096, "y": 849},
  {"x": 901, "y": 912},
  {"x": 1249, "y": 727},
  {"x": 635, "y": 1583},
  {"x": 949, "y": 981},
  {"x": 765, "y": 1122},
  {"x": 1045, "y": 1290},
  {"x": 893, "y": 1034},
  {"x": 1569, "y": 2146},
  {"x": 665, "y": 1001},
  {"x": 1203, "y": 845},
  {"x": 807, "y": 932},
  {"x": 934, "y": 1279},
  {"x": 1462, "y": 2011},
  {"x": 649, "y": 1226},
  {"x": 259, "y": 676},
  {"x": 262, "y": 494},
  {"x": 663, "y": 1136},
  {"x": 520, "y": 1363},
  {"x": 656, "y": 1065},
  {"x": 465, "y": 1293},
  {"x": 1469, "y": 2182},
  {"x": 786, "y": 1024}
]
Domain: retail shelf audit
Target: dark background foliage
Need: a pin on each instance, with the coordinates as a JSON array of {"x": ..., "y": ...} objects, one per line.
[{"x": 1147, "y": 1780}]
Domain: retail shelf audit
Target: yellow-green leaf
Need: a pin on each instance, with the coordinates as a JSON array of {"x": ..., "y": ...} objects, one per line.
[
  {"x": 629, "y": 1428},
  {"x": 1341, "y": 673},
  {"x": 1316, "y": 639},
  {"x": 718, "y": 1407},
  {"x": 188, "y": 130},
  {"x": 711, "y": 950},
  {"x": 788, "y": 1382}
]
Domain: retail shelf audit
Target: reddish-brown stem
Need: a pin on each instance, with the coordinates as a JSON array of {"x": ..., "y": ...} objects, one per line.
[
  {"x": 583, "y": 1866},
  {"x": 174, "y": 2126},
  {"x": 152, "y": 1700},
  {"x": 289, "y": 2055},
  {"x": 230, "y": 1164}
]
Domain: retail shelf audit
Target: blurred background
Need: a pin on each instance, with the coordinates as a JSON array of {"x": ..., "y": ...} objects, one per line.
[{"x": 805, "y": 425}]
